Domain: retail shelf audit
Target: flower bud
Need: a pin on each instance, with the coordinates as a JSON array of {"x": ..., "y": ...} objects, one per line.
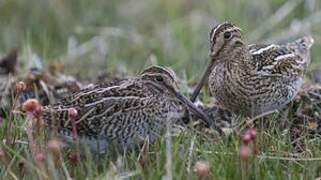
[
  {"x": 40, "y": 157},
  {"x": 20, "y": 86},
  {"x": 202, "y": 169},
  {"x": 74, "y": 157},
  {"x": 245, "y": 152},
  {"x": 246, "y": 138},
  {"x": 55, "y": 147},
  {"x": 72, "y": 113},
  {"x": 31, "y": 105},
  {"x": 252, "y": 133}
]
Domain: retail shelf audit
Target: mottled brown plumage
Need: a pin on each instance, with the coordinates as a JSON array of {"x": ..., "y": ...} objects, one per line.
[
  {"x": 255, "y": 79},
  {"x": 124, "y": 112}
]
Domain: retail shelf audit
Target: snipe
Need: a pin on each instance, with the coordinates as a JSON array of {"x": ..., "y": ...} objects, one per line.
[
  {"x": 124, "y": 112},
  {"x": 253, "y": 79}
]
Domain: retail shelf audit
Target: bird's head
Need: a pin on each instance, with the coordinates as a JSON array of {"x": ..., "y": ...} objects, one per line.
[
  {"x": 165, "y": 79},
  {"x": 224, "y": 37},
  {"x": 161, "y": 76}
]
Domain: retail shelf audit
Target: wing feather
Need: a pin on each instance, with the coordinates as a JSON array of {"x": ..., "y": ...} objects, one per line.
[
  {"x": 97, "y": 106},
  {"x": 284, "y": 60}
]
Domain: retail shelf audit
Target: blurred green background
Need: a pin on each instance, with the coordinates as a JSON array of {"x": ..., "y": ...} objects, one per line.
[{"x": 93, "y": 36}]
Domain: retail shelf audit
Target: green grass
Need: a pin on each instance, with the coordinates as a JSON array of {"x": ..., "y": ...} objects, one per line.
[
  {"x": 136, "y": 34},
  {"x": 272, "y": 159}
]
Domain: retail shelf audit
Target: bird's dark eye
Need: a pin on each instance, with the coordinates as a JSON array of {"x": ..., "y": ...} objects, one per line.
[
  {"x": 159, "y": 78},
  {"x": 227, "y": 35}
]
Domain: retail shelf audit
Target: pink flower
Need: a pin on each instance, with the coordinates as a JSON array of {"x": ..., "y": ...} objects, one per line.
[
  {"x": 202, "y": 169},
  {"x": 32, "y": 106},
  {"x": 247, "y": 139},
  {"x": 72, "y": 113},
  {"x": 20, "y": 86},
  {"x": 245, "y": 152}
]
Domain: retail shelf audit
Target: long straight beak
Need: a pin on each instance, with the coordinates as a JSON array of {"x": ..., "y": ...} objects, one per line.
[
  {"x": 199, "y": 113},
  {"x": 203, "y": 80}
]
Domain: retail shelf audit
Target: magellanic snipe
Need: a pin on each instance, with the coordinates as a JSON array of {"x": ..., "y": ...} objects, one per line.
[
  {"x": 253, "y": 79},
  {"x": 124, "y": 112}
]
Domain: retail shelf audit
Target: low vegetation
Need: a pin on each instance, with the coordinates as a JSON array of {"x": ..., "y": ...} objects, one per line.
[{"x": 85, "y": 42}]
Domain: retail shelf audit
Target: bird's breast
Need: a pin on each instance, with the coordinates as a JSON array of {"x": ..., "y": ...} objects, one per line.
[{"x": 231, "y": 88}]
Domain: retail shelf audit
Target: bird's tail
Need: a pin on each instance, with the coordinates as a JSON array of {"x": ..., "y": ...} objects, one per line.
[
  {"x": 302, "y": 47},
  {"x": 303, "y": 44}
]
